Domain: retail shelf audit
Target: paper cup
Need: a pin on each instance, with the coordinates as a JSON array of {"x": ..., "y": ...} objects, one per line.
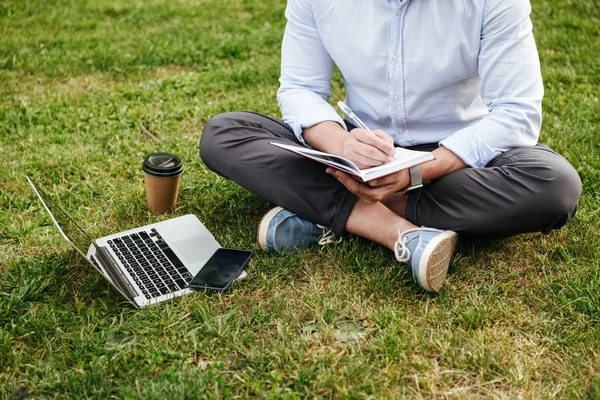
[{"x": 162, "y": 174}]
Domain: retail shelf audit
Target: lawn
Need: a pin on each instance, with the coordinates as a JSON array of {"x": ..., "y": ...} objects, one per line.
[{"x": 517, "y": 318}]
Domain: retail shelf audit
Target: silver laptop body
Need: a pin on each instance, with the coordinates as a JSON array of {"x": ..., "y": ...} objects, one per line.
[{"x": 147, "y": 265}]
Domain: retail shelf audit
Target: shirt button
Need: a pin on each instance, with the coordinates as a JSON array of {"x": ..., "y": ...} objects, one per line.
[
  {"x": 400, "y": 131},
  {"x": 396, "y": 98},
  {"x": 399, "y": 11},
  {"x": 395, "y": 58}
]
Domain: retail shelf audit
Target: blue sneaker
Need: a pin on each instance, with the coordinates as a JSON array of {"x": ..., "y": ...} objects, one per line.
[
  {"x": 283, "y": 231},
  {"x": 428, "y": 252}
]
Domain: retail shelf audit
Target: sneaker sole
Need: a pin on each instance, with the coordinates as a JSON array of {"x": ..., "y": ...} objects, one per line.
[
  {"x": 435, "y": 260},
  {"x": 263, "y": 228}
]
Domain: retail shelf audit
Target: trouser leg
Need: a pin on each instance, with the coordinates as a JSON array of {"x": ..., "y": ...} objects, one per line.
[
  {"x": 236, "y": 146},
  {"x": 522, "y": 190}
]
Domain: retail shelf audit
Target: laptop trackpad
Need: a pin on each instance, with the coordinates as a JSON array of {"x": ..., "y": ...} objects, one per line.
[{"x": 195, "y": 250}]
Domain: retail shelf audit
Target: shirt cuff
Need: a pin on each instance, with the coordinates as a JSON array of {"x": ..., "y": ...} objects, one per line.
[
  {"x": 468, "y": 145},
  {"x": 313, "y": 115}
]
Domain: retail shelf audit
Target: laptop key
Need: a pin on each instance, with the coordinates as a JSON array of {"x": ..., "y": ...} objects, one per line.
[
  {"x": 172, "y": 257},
  {"x": 164, "y": 290},
  {"x": 181, "y": 283}
]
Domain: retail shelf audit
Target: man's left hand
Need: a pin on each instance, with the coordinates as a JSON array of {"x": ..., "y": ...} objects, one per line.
[
  {"x": 376, "y": 189},
  {"x": 444, "y": 162}
]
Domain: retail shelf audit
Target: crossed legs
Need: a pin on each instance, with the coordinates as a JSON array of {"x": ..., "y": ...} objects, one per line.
[{"x": 522, "y": 190}]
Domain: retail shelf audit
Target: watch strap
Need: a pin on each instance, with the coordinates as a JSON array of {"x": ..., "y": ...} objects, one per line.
[{"x": 416, "y": 179}]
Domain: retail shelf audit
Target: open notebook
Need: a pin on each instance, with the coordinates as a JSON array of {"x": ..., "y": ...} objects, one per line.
[{"x": 404, "y": 159}]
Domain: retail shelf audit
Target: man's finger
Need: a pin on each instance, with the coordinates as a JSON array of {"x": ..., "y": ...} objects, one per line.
[
  {"x": 345, "y": 179},
  {"x": 375, "y": 140},
  {"x": 369, "y": 155},
  {"x": 384, "y": 180},
  {"x": 386, "y": 138},
  {"x": 360, "y": 189}
]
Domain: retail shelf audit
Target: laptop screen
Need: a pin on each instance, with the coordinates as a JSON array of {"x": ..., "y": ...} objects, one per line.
[{"x": 74, "y": 234}]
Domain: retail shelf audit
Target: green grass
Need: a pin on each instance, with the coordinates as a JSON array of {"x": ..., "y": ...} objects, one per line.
[{"x": 518, "y": 318}]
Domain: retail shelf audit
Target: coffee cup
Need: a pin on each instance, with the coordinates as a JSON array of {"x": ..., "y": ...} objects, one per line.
[{"x": 162, "y": 174}]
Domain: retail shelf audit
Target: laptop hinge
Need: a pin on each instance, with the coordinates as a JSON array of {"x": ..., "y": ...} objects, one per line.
[{"x": 115, "y": 274}]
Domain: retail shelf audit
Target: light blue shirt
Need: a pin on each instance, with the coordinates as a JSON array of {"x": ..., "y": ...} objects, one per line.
[{"x": 461, "y": 73}]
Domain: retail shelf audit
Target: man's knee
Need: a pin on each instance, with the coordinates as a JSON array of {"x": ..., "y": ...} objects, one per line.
[
  {"x": 213, "y": 136},
  {"x": 562, "y": 194}
]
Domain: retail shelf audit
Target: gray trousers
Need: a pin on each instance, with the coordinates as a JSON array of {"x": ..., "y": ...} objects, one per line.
[{"x": 529, "y": 189}]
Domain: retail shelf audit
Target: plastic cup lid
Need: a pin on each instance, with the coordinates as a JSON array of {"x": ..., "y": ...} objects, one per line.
[{"x": 162, "y": 164}]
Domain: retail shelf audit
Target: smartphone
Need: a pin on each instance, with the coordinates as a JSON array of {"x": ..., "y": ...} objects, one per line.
[{"x": 222, "y": 268}]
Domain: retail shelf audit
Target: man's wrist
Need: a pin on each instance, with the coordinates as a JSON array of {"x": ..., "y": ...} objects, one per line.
[
  {"x": 327, "y": 136},
  {"x": 444, "y": 163},
  {"x": 415, "y": 179}
]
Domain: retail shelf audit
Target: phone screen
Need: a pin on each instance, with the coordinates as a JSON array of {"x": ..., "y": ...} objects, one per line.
[{"x": 223, "y": 267}]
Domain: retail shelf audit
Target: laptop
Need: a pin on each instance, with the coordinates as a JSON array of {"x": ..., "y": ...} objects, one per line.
[{"x": 147, "y": 265}]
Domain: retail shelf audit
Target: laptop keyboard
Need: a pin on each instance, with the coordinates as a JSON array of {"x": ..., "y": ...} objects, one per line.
[{"x": 151, "y": 263}]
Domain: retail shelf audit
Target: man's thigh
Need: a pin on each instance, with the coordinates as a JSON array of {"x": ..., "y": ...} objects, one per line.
[
  {"x": 526, "y": 189},
  {"x": 238, "y": 146}
]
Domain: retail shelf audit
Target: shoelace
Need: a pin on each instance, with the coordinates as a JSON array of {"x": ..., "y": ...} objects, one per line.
[
  {"x": 328, "y": 236},
  {"x": 401, "y": 251}
]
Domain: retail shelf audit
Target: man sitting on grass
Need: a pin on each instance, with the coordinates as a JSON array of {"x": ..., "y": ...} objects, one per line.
[{"x": 459, "y": 78}]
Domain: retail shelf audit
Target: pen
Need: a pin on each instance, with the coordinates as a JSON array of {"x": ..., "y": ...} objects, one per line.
[
  {"x": 354, "y": 118},
  {"x": 350, "y": 114}
]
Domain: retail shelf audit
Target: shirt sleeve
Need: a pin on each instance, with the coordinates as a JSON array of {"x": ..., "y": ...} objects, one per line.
[
  {"x": 306, "y": 69},
  {"x": 511, "y": 86}
]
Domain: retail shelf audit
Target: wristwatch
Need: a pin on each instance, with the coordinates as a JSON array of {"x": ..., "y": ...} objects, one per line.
[{"x": 416, "y": 180}]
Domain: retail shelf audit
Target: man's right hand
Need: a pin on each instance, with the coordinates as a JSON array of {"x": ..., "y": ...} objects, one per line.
[
  {"x": 358, "y": 145},
  {"x": 367, "y": 150}
]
